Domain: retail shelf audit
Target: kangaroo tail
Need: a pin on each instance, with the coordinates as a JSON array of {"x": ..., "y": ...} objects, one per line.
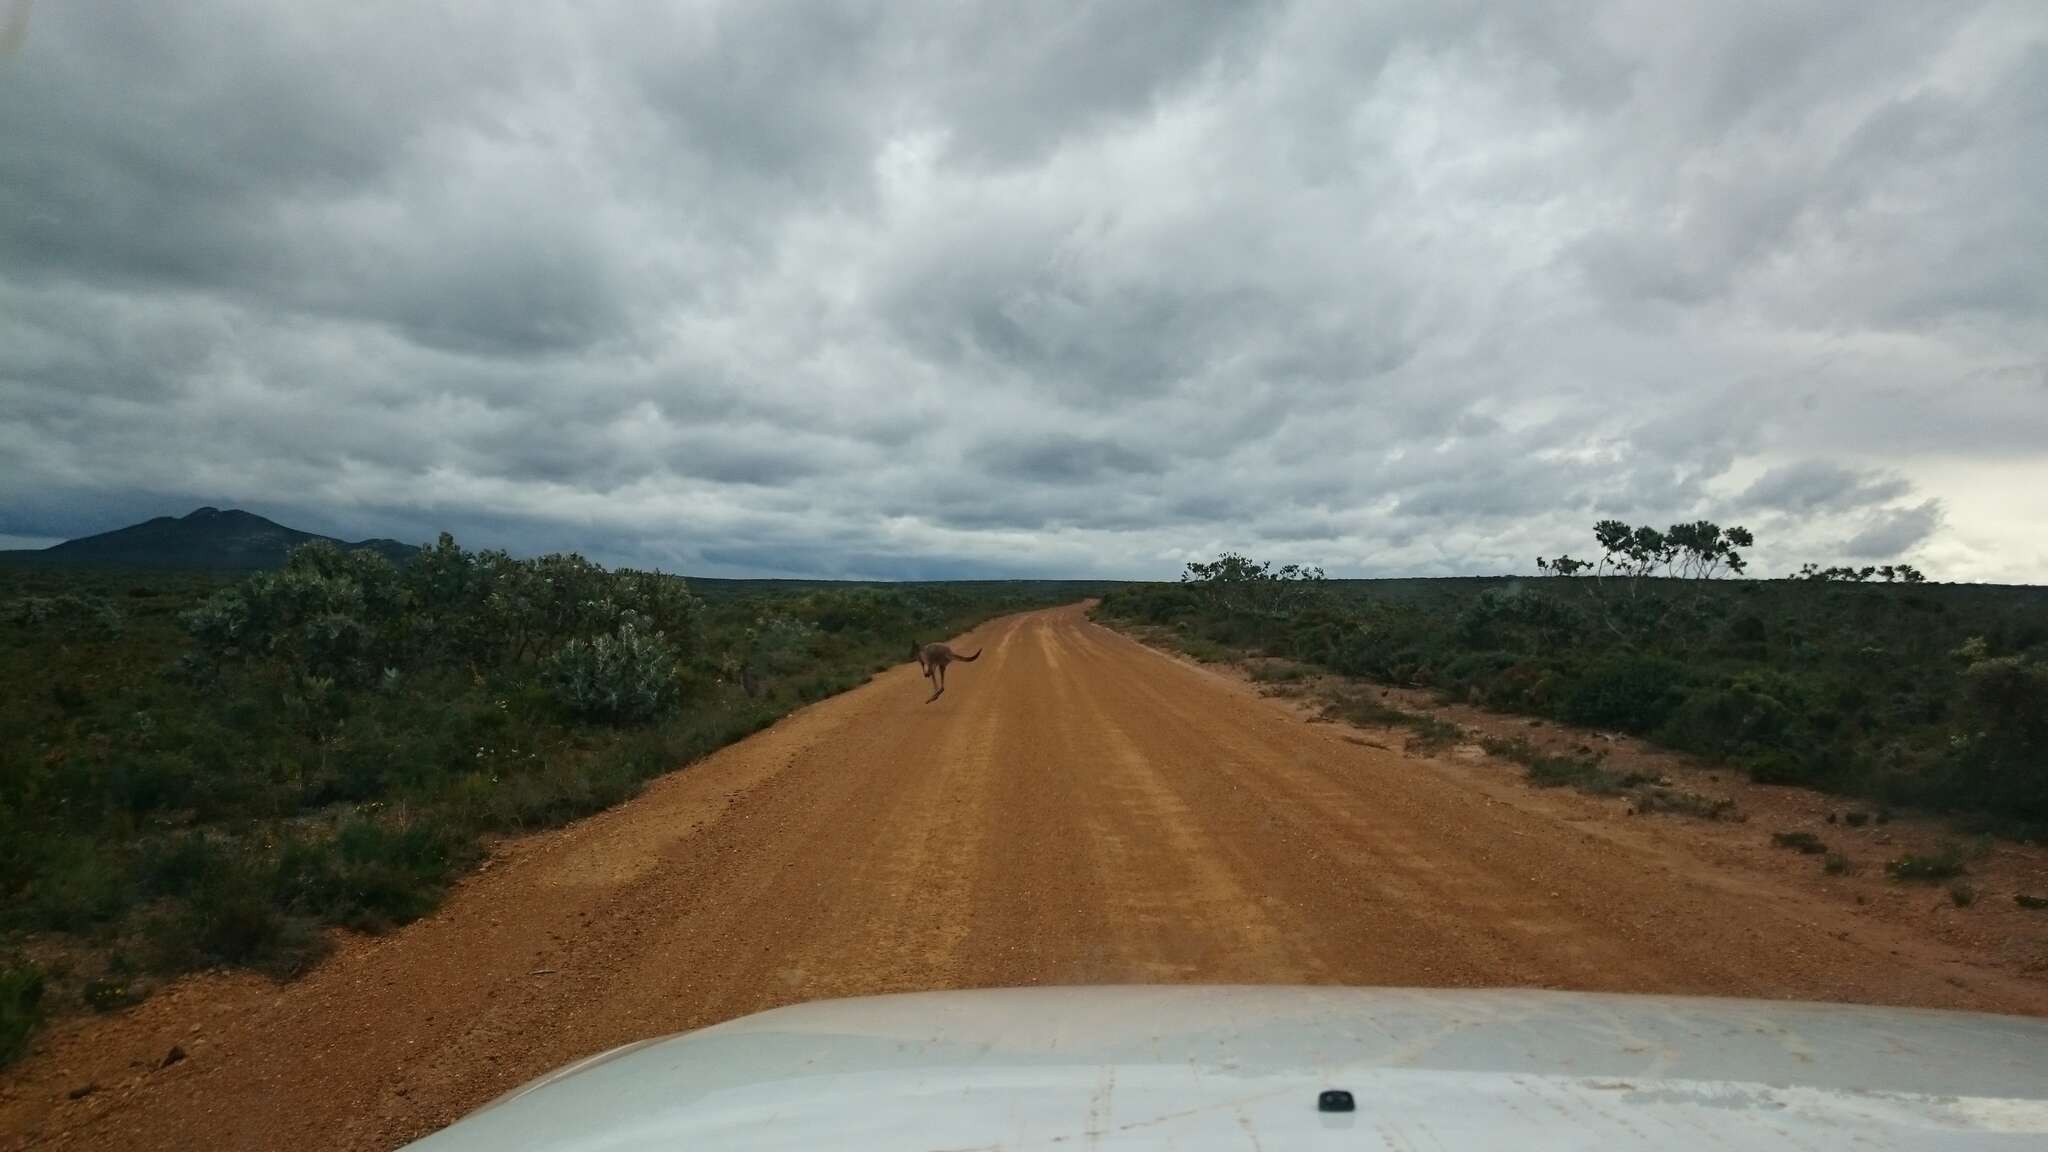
[{"x": 970, "y": 659}]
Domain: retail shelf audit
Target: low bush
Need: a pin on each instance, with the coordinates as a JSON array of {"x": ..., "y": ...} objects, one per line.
[
  {"x": 628, "y": 675},
  {"x": 232, "y": 917},
  {"x": 108, "y": 995},
  {"x": 1427, "y": 734},
  {"x": 370, "y": 875},
  {"x": 1803, "y": 842},
  {"x": 1584, "y": 773},
  {"x": 1628, "y": 692},
  {"x": 79, "y": 886},
  {"x": 21, "y": 1006},
  {"x": 1930, "y": 867},
  {"x": 1682, "y": 803}
]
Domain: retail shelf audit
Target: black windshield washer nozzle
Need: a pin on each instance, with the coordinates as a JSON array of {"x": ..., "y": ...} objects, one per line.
[{"x": 1335, "y": 1100}]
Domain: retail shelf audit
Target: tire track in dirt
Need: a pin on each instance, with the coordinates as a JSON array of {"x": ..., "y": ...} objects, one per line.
[
  {"x": 1076, "y": 809},
  {"x": 1185, "y": 910},
  {"x": 1364, "y": 837},
  {"x": 1595, "y": 908}
]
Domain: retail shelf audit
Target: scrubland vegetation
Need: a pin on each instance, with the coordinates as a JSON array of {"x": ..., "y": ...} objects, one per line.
[
  {"x": 1866, "y": 682},
  {"x": 201, "y": 772}
]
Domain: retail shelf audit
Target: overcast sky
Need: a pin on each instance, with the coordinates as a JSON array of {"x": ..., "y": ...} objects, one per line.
[{"x": 897, "y": 289}]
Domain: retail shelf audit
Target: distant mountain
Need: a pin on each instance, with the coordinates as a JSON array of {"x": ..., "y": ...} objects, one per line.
[{"x": 206, "y": 538}]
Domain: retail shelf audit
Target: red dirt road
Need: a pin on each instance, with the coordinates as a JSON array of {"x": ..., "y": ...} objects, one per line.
[{"x": 1076, "y": 809}]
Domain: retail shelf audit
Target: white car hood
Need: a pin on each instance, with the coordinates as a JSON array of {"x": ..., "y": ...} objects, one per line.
[{"x": 1202, "y": 1068}]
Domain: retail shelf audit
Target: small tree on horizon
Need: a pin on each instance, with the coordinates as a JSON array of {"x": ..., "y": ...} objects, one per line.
[
  {"x": 1238, "y": 584},
  {"x": 1888, "y": 573},
  {"x": 1700, "y": 550}
]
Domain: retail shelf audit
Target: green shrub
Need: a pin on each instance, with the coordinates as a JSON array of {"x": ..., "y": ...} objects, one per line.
[
  {"x": 69, "y": 615},
  {"x": 1740, "y": 716},
  {"x": 1585, "y": 773},
  {"x": 1788, "y": 766},
  {"x": 1628, "y": 692},
  {"x": 629, "y": 675},
  {"x": 1582, "y": 773},
  {"x": 79, "y": 886},
  {"x": 369, "y": 875},
  {"x": 232, "y": 917},
  {"x": 778, "y": 645},
  {"x": 1427, "y": 733},
  {"x": 1804, "y": 842},
  {"x": 2001, "y": 761},
  {"x": 1205, "y": 650},
  {"x": 180, "y": 863},
  {"x": 21, "y": 1006},
  {"x": 1944, "y": 864},
  {"x": 1680, "y": 802},
  {"x": 108, "y": 995}
]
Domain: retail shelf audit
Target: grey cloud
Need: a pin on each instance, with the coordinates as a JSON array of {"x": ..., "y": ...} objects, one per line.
[
  {"x": 868, "y": 288},
  {"x": 232, "y": 151},
  {"x": 1811, "y": 131},
  {"x": 1064, "y": 460},
  {"x": 1891, "y": 533},
  {"x": 1028, "y": 79},
  {"x": 1817, "y": 484}
]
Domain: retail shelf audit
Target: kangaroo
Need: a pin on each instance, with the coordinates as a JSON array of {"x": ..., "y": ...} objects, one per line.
[{"x": 933, "y": 658}]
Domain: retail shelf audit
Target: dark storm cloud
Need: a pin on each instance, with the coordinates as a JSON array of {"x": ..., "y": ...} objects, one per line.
[
  {"x": 1817, "y": 484},
  {"x": 1063, "y": 459},
  {"x": 874, "y": 288},
  {"x": 1892, "y": 533}
]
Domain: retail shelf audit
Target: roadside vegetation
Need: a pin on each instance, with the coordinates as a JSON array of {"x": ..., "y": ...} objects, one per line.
[
  {"x": 203, "y": 772},
  {"x": 1426, "y": 734},
  {"x": 1867, "y": 682}
]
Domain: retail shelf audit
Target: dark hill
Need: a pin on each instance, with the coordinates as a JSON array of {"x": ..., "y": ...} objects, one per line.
[{"x": 206, "y": 538}]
